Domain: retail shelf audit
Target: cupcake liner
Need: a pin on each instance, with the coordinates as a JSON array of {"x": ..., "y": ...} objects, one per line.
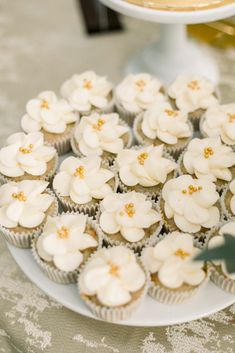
[
  {"x": 114, "y": 314},
  {"x": 46, "y": 176},
  {"x": 136, "y": 246},
  {"x": 225, "y": 203},
  {"x": 129, "y": 117},
  {"x": 173, "y": 150},
  {"x": 57, "y": 275},
  {"x": 23, "y": 239},
  {"x": 195, "y": 117},
  {"x": 222, "y": 281}
]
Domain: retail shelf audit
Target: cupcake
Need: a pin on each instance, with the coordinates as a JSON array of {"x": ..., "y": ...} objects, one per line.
[
  {"x": 190, "y": 205},
  {"x": 66, "y": 243},
  {"x": 219, "y": 120},
  {"x": 24, "y": 208},
  {"x": 102, "y": 135},
  {"x": 219, "y": 273},
  {"x": 113, "y": 283},
  {"x": 161, "y": 124},
  {"x": 208, "y": 158},
  {"x": 81, "y": 182},
  {"x": 193, "y": 94},
  {"x": 129, "y": 219},
  {"x": 228, "y": 200},
  {"x": 136, "y": 93},
  {"x": 25, "y": 156},
  {"x": 144, "y": 169},
  {"x": 53, "y": 117},
  {"x": 88, "y": 93},
  {"x": 174, "y": 275}
]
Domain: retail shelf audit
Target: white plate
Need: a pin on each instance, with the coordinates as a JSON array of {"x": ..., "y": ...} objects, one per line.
[{"x": 208, "y": 301}]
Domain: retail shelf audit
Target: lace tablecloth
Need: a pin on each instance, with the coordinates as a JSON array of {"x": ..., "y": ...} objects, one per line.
[{"x": 41, "y": 44}]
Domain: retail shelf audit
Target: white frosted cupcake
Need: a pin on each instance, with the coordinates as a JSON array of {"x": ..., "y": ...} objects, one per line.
[
  {"x": 129, "y": 219},
  {"x": 24, "y": 208},
  {"x": 162, "y": 124},
  {"x": 53, "y": 117},
  {"x": 113, "y": 283},
  {"x": 190, "y": 205},
  {"x": 144, "y": 169},
  {"x": 228, "y": 200},
  {"x": 193, "y": 94},
  {"x": 136, "y": 93},
  {"x": 175, "y": 276},
  {"x": 66, "y": 243},
  {"x": 25, "y": 156},
  {"x": 102, "y": 135},
  {"x": 82, "y": 182},
  {"x": 210, "y": 159},
  {"x": 219, "y": 273},
  {"x": 219, "y": 120},
  {"x": 89, "y": 92}
]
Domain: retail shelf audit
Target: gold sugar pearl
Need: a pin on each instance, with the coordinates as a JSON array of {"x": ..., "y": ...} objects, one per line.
[
  {"x": 25, "y": 150},
  {"x": 87, "y": 84},
  {"x": 208, "y": 152},
  {"x": 140, "y": 85},
  {"x": 114, "y": 270},
  {"x": 171, "y": 113},
  {"x": 20, "y": 196},
  {"x": 194, "y": 85},
  {"x": 80, "y": 172},
  {"x": 182, "y": 254},
  {"x": 130, "y": 209},
  {"x": 231, "y": 117},
  {"x": 99, "y": 124},
  {"x": 142, "y": 157},
  {"x": 45, "y": 104},
  {"x": 63, "y": 233},
  {"x": 191, "y": 189}
]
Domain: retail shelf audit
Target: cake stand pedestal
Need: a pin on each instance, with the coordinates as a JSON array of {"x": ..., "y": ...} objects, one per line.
[{"x": 173, "y": 53}]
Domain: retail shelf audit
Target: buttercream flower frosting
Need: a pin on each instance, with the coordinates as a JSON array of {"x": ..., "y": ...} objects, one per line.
[
  {"x": 165, "y": 123},
  {"x": 100, "y": 132},
  {"x": 112, "y": 275},
  {"x": 209, "y": 158},
  {"x": 219, "y": 120},
  {"x": 172, "y": 260},
  {"x": 24, "y": 203},
  {"x": 218, "y": 240},
  {"x": 63, "y": 241},
  {"x": 86, "y": 91},
  {"x": 47, "y": 112},
  {"x": 146, "y": 166},
  {"x": 82, "y": 179},
  {"x": 232, "y": 201},
  {"x": 25, "y": 153},
  {"x": 191, "y": 203},
  {"x": 192, "y": 92},
  {"x": 138, "y": 92},
  {"x": 130, "y": 214}
]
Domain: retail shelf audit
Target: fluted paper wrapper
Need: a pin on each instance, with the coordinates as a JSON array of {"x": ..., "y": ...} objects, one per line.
[
  {"x": 129, "y": 117},
  {"x": 222, "y": 281},
  {"x": 173, "y": 150},
  {"x": 23, "y": 239},
  {"x": 57, "y": 275},
  {"x": 225, "y": 203},
  {"x": 115, "y": 314}
]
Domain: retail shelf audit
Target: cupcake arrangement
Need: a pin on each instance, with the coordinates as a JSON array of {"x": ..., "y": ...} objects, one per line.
[{"x": 124, "y": 214}]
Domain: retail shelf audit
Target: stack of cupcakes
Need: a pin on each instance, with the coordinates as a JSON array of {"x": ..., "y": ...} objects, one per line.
[{"x": 133, "y": 217}]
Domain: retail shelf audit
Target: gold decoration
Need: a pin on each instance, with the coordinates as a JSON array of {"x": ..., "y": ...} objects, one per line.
[
  {"x": 45, "y": 104},
  {"x": 191, "y": 190},
  {"x": 63, "y": 233},
  {"x": 231, "y": 117},
  {"x": 87, "y": 84},
  {"x": 114, "y": 270},
  {"x": 140, "y": 84},
  {"x": 171, "y": 113},
  {"x": 208, "y": 152},
  {"x": 80, "y": 172},
  {"x": 99, "y": 124},
  {"x": 182, "y": 254},
  {"x": 130, "y": 209},
  {"x": 142, "y": 157},
  {"x": 26, "y": 150},
  {"x": 194, "y": 85},
  {"x": 20, "y": 196}
]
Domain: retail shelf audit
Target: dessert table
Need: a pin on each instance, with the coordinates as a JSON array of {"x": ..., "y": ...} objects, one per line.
[{"x": 40, "y": 46}]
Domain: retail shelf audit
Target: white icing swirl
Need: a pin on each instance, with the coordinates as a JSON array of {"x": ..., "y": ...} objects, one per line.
[
  {"x": 138, "y": 92},
  {"x": 190, "y": 202},
  {"x": 112, "y": 275},
  {"x": 139, "y": 166},
  {"x": 192, "y": 92},
  {"x": 166, "y": 124},
  {"x": 86, "y": 91},
  {"x": 98, "y": 133},
  {"x": 218, "y": 240},
  {"x": 82, "y": 179},
  {"x": 172, "y": 260},
  {"x": 24, "y": 203},
  {"x": 49, "y": 113},
  {"x": 232, "y": 202},
  {"x": 219, "y": 120},
  {"x": 209, "y": 158},
  {"x": 128, "y": 214},
  {"x": 63, "y": 239},
  {"x": 25, "y": 153}
]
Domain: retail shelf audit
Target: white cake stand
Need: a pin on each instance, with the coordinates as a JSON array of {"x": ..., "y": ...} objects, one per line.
[{"x": 173, "y": 53}]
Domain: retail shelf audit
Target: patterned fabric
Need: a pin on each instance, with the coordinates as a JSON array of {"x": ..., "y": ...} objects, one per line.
[{"x": 40, "y": 46}]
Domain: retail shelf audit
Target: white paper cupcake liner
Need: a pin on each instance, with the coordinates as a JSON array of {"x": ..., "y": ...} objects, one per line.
[
  {"x": 173, "y": 150},
  {"x": 23, "y": 239},
  {"x": 136, "y": 246},
  {"x": 195, "y": 117},
  {"x": 226, "y": 211},
  {"x": 129, "y": 117},
  {"x": 115, "y": 314},
  {"x": 222, "y": 281},
  {"x": 57, "y": 275}
]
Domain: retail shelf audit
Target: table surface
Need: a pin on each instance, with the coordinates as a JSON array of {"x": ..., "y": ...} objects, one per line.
[{"x": 42, "y": 44}]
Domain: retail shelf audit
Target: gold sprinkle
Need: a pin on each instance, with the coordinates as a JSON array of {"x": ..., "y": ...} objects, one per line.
[
  {"x": 99, "y": 124},
  {"x": 191, "y": 190},
  {"x": 140, "y": 85},
  {"x": 45, "y": 104},
  {"x": 208, "y": 152},
  {"x": 194, "y": 85},
  {"x": 171, "y": 113},
  {"x": 87, "y": 84},
  {"x": 63, "y": 233},
  {"x": 80, "y": 172},
  {"x": 142, "y": 157},
  {"x": 26, "y": 150},
  {"x": 231, "y": 117},
  {"x": 20, "y": 196},
  {"x": 184, "y": 191},
  {"x": 114, "y": 270},
  {"x": 130, "y": 209},
  {"x": 199, "y": 188},
  {"x": 181, "y": 253}
]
